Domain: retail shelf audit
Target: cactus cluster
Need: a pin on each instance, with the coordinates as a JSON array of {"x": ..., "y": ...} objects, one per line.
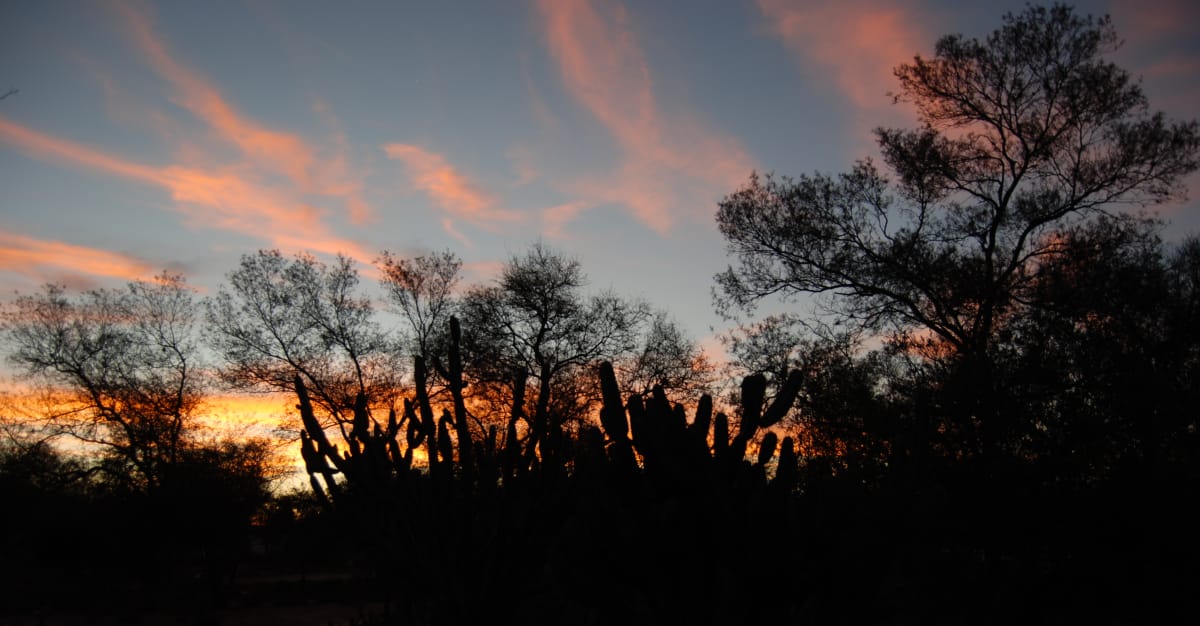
[
  {"x": 675, "y": 453},
  {"x": 545, "y": 521}
]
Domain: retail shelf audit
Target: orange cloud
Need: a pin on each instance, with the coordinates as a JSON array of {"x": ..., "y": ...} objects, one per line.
[
  {"x": 62, "y": 150},
  {"x": 859, "y": 42},
  {"x": 556, "y": 217},
  {"x": 226, "y": 199},
  {"x": 275, "y": 151},
  {"x": 604, "y": 69},
  {"x": 446, "y": 186},
  {"x": 282, "y": 152},
  {"x": 30, "y": 256}
]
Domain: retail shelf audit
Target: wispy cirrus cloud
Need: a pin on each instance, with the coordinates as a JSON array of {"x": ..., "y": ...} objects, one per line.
[
  {"x": 450, "y": 189},
  {"x": 282, "y": 152},
  {"x": 39, "y": 258},
  {"x": 278, "y": 187},
  {"x": 270, "y": 151},
  {"x": 603, "y": 68},
  {"x": 56, "y": 149},
  {"x": 858, "y": 42},
  {"x": 227, "y": 199},
  {"x": 555, "y": 218}
]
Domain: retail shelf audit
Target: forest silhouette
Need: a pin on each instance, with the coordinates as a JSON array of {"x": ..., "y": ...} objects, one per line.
[{"x": 993, "y": 421}]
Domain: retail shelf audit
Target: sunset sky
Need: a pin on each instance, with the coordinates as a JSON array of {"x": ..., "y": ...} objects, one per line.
[{"x": 181, "y": 135}]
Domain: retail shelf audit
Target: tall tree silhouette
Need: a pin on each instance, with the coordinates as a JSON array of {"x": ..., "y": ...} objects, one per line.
[{"x": 1025, "y": 134}]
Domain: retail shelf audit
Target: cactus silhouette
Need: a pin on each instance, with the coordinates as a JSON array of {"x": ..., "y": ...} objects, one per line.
[{"x": 497, "y": 524}]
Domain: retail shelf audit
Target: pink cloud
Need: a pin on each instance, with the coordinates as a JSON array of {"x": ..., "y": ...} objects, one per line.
[
  {"x": 282, "y": 152},
  {"x": 449, "y": 188},
  {"x": 243, "y": 197},
  {"x": 475, "y": 272},
  {"x": 604, "y": 69},
  {"x": 556, "y": 217},
  {"x": 56, "y": 149},
  {"x": 229, "y": 199},
  {"x": 38, "y": 257},
  {"x": 858, "y": 42},
  {"x": 275, "y": 151},
  {"x": 453, "y": 231}
]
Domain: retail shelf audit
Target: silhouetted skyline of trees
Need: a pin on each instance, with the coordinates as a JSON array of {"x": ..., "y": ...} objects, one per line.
[{"x": 995, "y": 423}]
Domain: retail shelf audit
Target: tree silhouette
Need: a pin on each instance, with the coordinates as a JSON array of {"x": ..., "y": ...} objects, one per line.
[
  {"x": 422, "y": 289},
  {"x": 537, "y": 320},
  {"x": 279, "y": 318},
  {"x": 123, "y": 364},
  {"x": 1024, "y": 135},
  {"x": 667, "y": 358},
  {"x": 151, "y": 499}
]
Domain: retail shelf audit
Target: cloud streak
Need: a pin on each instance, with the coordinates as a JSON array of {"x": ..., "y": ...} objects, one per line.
[
  {"x": 225, "y": 199},
  {"x": 37, "y": 257},
  {"x": 55, "y": 149},
  {"x": 270, "y": 150},
  {"x": 603, "y": 68},
  {"x": 274, "y": 190},
  {"x": 857, "y": 42},
  {"x": 454, "y": 192},
  {"x": 282, "y": 152}
]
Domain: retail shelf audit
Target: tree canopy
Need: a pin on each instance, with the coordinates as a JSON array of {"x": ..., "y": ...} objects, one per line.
[
  {"x": 1023, "y": 135},
  {"x": 1010, "y": 199}
]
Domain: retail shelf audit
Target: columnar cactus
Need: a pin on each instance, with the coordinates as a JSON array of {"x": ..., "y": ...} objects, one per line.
[{"x": 486, "y": 502}]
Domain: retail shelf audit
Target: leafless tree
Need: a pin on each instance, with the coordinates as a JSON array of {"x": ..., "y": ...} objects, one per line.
[
  {"x": 122, "y": 367},
  {"x": 278, "y": 319}
]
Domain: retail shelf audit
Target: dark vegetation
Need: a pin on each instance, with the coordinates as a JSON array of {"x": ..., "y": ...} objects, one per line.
[{"x": 994, "y": 420}]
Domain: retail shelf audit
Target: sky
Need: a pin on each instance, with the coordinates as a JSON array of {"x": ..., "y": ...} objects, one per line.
[{"x": 145, "y": 136}]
